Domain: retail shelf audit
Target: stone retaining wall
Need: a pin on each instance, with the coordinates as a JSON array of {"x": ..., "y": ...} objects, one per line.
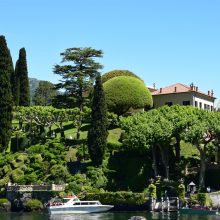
[{"x": 30, "y": 188}]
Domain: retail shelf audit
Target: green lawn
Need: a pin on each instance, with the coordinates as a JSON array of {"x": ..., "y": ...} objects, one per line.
[{"x": 188, "y": 150}]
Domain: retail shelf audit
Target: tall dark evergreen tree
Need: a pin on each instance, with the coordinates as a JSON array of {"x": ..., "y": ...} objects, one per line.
[
  {"x": 5, "y": 94},
  {"x": 22, "y": 73},
  {"x": 98, "y": 133}
]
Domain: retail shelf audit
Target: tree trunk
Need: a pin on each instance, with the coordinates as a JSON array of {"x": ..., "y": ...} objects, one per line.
[
  {"x": 20, "y": 125},
  {"x": 218, "y": 154},
  {"x": 202, "y": 168},
  {"x": 164, "y": 156},
  {"x": 50, "y": 131},
  {"x": 154, "y": 165},
  {"x": 177, "y": 149},
  {"x": 62, "y": 133}
]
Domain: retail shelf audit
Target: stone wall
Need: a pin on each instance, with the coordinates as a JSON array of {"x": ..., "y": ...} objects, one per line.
[
  {"x": 30, "y": 188},
  {"x": 41, "y": 192},
  {"x": 215, "y": 197}
]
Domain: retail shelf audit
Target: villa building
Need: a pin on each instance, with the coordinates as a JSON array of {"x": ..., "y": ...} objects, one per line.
[{"x": 180, "y": 94}]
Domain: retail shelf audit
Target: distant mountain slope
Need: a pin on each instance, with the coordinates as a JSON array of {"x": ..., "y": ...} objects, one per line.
[{"x": 33, "y": 85}]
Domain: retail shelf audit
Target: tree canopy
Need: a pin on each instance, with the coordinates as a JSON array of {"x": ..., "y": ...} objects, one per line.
[
  {"x": 115, "y": 73},
  {"x": 159, "y": 127},
  {"x": 125, "y": 92},
  {"x": 5, "y": 94},
  {"x": 78, "y": 76},
  {"x": 44, "y": 93}
]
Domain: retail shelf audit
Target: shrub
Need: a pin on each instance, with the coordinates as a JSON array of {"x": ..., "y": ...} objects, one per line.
[
  {"x": 118, "y": 198},
  {"x": 7, "y": 169},
  {"x": 19, "y": 143},
  {"x": 96, "y": 176},
  {"x": 115, "y": 73},
  {"x": 17, "y": 175},
  {"x": 33, "y": 205},
  {"x": 124, "y": 93},
  {"x": 203, "y": 199},
  {"x": 4, "y": 180},
  {"x": 3, "y": 201},
  {"x": 152, "y": 190},
  {"x": 111, "y": 146},
  {"x": 193, "y": 199},
  {"x": 181, "y": 191},
  {"x": 74, "y": 187}
]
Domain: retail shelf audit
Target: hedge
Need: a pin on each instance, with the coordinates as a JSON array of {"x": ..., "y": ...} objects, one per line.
[
  {"x": 115, "y": 198},
  {"x": 124, "y": 93},
  {"x": 115, "y": 73},
  {"x": 3, "y": 201},
  {"x": 33, "y": 205}
]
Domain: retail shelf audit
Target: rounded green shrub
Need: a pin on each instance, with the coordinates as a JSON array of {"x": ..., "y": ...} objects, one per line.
[
  {"x": 124, "y": 93},
  {"x": 115, "y": 73},
  {"x": 33, "y": 205},
  {"x": 181, "y": 191},
  {"x": 3, "y": 201},
  {"x": 152, "y": 189},
  {"x": 204, "y": 199},
  {"x": 17, "y": 175}
]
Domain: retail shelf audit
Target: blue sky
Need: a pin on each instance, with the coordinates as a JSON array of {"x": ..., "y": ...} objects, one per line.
[{"x": 162, "y": 41}]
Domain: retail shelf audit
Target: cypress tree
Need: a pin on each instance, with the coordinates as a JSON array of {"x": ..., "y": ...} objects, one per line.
[
  {"x": 22, "y": 73},
  {"x": 5, "y": 94},
  {"x": 98, "y": 133}
]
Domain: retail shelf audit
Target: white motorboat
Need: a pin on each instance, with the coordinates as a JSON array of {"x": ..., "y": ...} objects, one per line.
[{"x": 72, "y": 204}]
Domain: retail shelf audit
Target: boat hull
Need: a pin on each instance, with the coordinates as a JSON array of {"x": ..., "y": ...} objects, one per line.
[{"x": 78, "y": 209}]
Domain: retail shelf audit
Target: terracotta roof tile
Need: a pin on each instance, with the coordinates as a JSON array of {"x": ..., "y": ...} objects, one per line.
[{"x": 179, "y": 88}]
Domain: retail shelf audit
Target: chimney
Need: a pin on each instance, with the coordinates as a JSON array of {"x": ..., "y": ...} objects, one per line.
[
  {"x": 212, "y": 92},
  {"x": 160, "y": 90},
  {"x": 208, "y": 92},
  {"x": 191, "y": 86},
  {"x": 175, "y": 88},
  {"x": 196, "y": 88}
]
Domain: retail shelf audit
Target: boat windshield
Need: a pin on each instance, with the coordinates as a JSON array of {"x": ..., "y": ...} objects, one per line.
[
  {"x": 86, "y": 203},
  {"x": 68, "y": 199}
]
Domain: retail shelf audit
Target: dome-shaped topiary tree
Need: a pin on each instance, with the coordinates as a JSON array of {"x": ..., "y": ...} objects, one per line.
[
  {"x": 115, "y": 73},
  {"x": 125, "y": 92}
]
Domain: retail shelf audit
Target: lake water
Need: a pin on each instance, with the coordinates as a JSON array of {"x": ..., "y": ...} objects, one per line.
[{"x": 104, "y": 216}]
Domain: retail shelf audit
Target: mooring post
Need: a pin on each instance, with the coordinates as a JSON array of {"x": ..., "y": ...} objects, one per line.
[
  {"x": 168, "y": 204},
  {"x": 162, "y": 204}
]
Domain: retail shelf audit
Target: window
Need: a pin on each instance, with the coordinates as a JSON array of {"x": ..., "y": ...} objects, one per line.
[
  {"x": 200, "y": 105},
  {"x": 211, "y": 108},
  {"x": 196, "y": 104},
  {"x": 168, "y": 103},
  {"x": 205, "y": 106},
  {"x": 186, "y": 102}
]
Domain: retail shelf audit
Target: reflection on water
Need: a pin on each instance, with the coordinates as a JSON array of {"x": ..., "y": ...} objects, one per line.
[
  {"x": 92, "y": 216},
  {"x": 105, "y": 216}
]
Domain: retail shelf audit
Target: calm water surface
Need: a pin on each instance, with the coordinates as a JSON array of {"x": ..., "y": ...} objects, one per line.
[{"x": 104, "y": 216}]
